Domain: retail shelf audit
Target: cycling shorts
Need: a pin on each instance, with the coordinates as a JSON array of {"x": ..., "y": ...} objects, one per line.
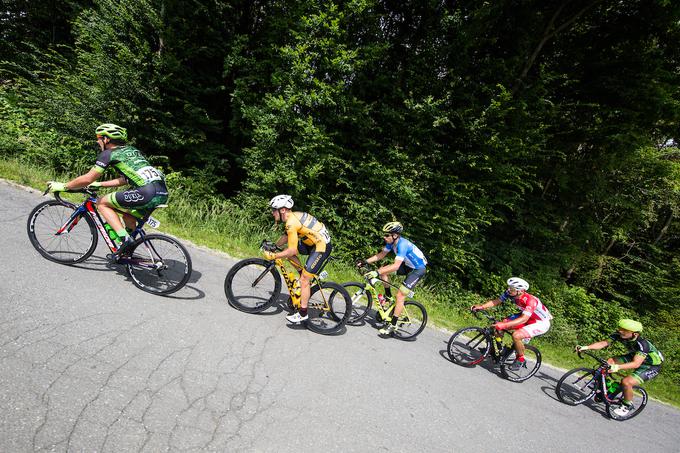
[
  {"x": 531, "y": 329},
  {"x": 140, "y": 201},
  {"x": 413, "y": 276},
  {"x": 316, "y": 259},
  {"x": 644, "y": 372}
]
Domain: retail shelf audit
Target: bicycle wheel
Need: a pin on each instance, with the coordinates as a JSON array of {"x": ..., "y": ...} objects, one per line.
[
  {"x": 639, "y": 403},
  {"x": 158, "y": 264},
  {"x": 74, "y": 245},
  {"x": 468, "y": 346},
  {"x": 576, "y": 386},
  {"x": 532, "y": 362},
  {"x": 361, "y": 301},
  {"x": 329, "y": 308},
  {"x": 252, "y": 285},
  {"x": 412, "y": 320}
]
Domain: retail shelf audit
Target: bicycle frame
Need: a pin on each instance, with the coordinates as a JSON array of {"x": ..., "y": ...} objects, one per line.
[
  {"x": 601, "y": 379},
  {"x": 385, "y": 312}
]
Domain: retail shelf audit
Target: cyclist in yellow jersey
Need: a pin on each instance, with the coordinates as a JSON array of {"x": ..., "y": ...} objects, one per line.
[{"x": 305, "y": 235}]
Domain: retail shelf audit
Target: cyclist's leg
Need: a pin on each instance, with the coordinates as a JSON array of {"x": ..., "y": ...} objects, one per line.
[
  {"x": 527, "y": 332},
  {"x": 639, "y": 376},
  {"x": 143, "y": 198},
  {"x": 314, "y": 263},
  {"x": 412, "y": 278}
]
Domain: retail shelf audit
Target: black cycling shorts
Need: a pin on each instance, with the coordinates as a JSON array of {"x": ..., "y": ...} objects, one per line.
[{"x": 316, "y": 260}]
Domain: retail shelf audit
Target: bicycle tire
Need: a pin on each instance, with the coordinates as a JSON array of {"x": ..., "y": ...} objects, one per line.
[
  {"x": 361, "y": 300},
  {"x": 329, "y": 308},
  {"x": 531, "y": 364},
  {"x": 469, "y": 346},
  {"x": 245, "y": 273},
  {"x": 639, "y": 402},
  {"x": 158, "y": 264},
  {"x": 415, "y": 322},
  {"x": 576, "y": 386},
  {"x": 46, "y": 218}
]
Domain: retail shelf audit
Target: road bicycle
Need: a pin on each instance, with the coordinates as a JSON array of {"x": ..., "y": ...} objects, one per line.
[
  {"x": 412, "y": 320},
  {"x": 254, "y": 284},
  {"x": 66, "y": 233},
  {"x": 470, "y": 345},
  {"x": 582, "y": 384}
]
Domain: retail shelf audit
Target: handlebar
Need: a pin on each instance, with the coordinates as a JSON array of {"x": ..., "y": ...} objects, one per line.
[
  {"x": 57, "y": 195},
  {"x": 488, "y": 316},
  {"x": 599, "y": 359},
  {"x": 269, "y": 246}
]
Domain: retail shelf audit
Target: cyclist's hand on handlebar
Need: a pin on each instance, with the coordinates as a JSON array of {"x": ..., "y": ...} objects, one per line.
[
  {"x": 361, "y": 263},
  {"x": 269, "y": 256},
  {"x": 614, "y": 368},
  {"x": 371, "y": 274},
  {"x": 94, "y": 185},
  {"x": 500, "y": 326},
  {"x": 54, "y": 186},
  {"x": 476, "y": 308},
  {"x": 579, "y": 348}
]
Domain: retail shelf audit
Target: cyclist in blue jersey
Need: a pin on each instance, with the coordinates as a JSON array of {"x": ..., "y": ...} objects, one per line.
[{"x": 409, "y": 261}]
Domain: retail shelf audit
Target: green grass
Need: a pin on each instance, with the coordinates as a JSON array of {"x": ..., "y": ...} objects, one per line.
[{"x": 219, "y": 224}]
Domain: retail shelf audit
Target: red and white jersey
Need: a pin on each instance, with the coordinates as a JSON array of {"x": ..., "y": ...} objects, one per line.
[{"x": 530, "y": 305}]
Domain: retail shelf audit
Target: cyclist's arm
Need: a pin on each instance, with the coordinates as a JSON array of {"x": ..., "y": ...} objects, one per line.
[
  {"x": 634, "y": 364},
  {"x": 115, "y": 182},
  {"x": 291, "y": 238},
  {"x": 83, "y": 180},
  {"x": 487, "y": 304},
  {"x": 517, "y": 322},
  {"x": 599, "y": 345},
  {"x": 377, "y": 257},
  {"x": 390, "y": 267}
]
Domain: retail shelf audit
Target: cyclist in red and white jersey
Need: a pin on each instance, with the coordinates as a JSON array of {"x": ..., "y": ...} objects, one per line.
[{"x": 533, "y": 320}]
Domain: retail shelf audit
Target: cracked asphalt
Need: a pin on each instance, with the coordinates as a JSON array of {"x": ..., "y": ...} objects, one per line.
[{"x": 90, "y": 363}]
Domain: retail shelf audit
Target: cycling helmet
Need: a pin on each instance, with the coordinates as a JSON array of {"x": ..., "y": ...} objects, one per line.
[
  {"x": 629, "y": 324},
  {"x": 393, "y": 227},
  {"x": 518, "y": 283},
  {"x": 112, "y": 131},
  {"x": 281, "y": 201}
]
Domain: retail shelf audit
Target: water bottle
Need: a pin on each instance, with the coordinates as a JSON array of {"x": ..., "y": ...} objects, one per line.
[
  {"x": 381, "y": 300},
  {"x": 612, "y": 387},
  {"x": 296, "y": 288},
  {"x": 110, "y": 231}
]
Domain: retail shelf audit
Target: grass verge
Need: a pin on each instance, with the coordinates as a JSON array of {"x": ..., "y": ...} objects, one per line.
[{"x": 221, "y": 225}]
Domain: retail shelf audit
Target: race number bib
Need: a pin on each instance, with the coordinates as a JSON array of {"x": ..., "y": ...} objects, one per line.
[
  {"x": 149, "y": 174},
  {"x": 324, "y": 234}
]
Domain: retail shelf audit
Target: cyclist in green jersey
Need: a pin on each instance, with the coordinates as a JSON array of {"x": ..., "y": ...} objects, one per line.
[
  {"x": 642, "y": 358},
  {"x": 148, "y": 183}
]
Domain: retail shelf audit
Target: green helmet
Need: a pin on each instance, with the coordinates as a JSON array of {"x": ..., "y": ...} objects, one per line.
[
  {"x": 393, "y": 227},
  {"x": 112, "y": 131},
  {"x": 629, "y": 324}
]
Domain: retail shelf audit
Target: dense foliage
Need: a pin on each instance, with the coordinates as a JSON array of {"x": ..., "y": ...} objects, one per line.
[{"x": 526, "y": 137}]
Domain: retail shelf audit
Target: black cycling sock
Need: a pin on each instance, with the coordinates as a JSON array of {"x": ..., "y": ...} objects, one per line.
[
  {"x": 394, "y": 320},
  {"x": 303, "y": 311},
  {"x": 388, "y": 291}
]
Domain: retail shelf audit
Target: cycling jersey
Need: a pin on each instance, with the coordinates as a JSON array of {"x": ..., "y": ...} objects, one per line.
[
  {"x": 641, "y": 347},
  {"x": 129, "y": 162},
  {"x": 530, "y": 305},
  {"x": 408, "y": 252},
  {"x": 307, "y": 229}
]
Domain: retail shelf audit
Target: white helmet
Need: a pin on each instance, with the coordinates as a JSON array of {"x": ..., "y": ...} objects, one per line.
[
  {"x": 518, "y": 283},
  {"x": 281, "y": 201}
]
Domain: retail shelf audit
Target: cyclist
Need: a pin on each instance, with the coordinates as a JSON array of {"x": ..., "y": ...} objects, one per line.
[
  {"x": 533, "y": 320},
  {"x": 148, "y": 183},
  {"x": 305, "y": 235},
  {"x": 408, "y": 261},
  {"x": 642, "y": 357}
]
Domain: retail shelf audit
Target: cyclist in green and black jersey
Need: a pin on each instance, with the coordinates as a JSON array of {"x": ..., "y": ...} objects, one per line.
[
  {"x": 148, "y": 183},
  {"x": 642, "y": 358}
]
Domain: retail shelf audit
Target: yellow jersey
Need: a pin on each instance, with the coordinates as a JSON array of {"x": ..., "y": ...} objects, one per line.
[{"x": 308, "y": 229}]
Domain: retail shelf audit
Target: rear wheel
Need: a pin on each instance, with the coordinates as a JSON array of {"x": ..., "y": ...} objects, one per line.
[
  {"x": 252, "y": 285},
  {"x": 576, "y": 386},
  {"x": 329, "y": 308},
  {"x": 361, "y": 301},
  {"x": 412, "y": 320},
  {"x": 74, "y": 245},
  {"x": 468, "y": 346},
  {"x": 639, "y": 403},
  {"x": 531, "y": 364},
  {"x": 158, "y": 264}
]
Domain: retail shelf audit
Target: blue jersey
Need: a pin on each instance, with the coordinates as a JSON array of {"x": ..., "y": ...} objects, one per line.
[{"x": 407, "y": 251}]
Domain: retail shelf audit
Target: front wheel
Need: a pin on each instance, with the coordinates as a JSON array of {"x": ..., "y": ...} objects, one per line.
[
  {"x": 468, "y": 346},
  {"x": 158, "y": 264},
  {"x": 77, "y": 240},
  {"x": 361, "y": 301},
  {"x": 252, "y": 285},
  {"x": 412, "y": 320},
  {"x": 576, "y": 386},
  {"x": 638, "y": 404},
  {"x": 526, "y": 369},
  {"x": 329, "y": 308}
]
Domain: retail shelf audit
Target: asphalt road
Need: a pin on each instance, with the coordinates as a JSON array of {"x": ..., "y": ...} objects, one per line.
[{"x": 90, "y": 363}]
